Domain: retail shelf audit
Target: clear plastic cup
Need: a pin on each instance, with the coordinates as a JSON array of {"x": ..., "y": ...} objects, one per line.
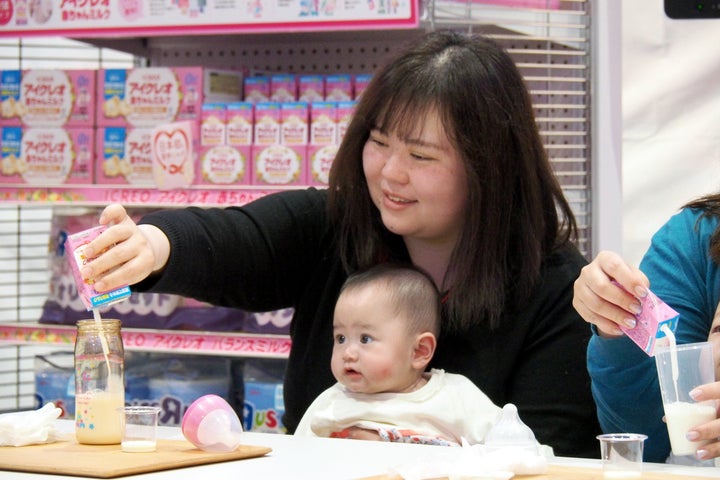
[
  {"x": 622, "y": 454},
  {"x": 139, "y": 428}
]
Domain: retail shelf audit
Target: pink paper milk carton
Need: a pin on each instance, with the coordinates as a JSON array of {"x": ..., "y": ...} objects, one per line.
[
  {"x": 294, "y": 123},
  {"x": 267, "y": 123},
  {"x": 361, "y": 82},
  {"x": 655, "y": 314},
  {"x": 75, "y": 250},
  {"x": 311, "y": 88},
  {"x": 283, "y": 87},
  {"x": 338, "y": 88},
  {"x": 213, "y": 125},
  {"x": 345, "y": 112},
  {"x": 257, "y": 89},
  {"x": 240, "y": 123}
]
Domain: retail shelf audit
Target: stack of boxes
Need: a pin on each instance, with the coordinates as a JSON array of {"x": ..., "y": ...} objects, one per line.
[
  {"x": 171, "y": 127},
  {"x": 47, "y": 128}
]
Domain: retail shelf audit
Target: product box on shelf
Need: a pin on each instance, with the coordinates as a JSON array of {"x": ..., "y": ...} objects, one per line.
[
  {"x": 283, "y": 87},
  {"x": 267, "y": 123},
  {"x": 124, "y": 156},
  {"x": 174, "y": 148},
  {"x": 47, "y": 98},
  {"x": 213, "y": 124},
  {"x": 264, "y": 405},
  {"x": 361, "y": 82},
  {"x": 311, "y": 88},
  {"x": 338, "y": 88},
  {"x": 323, "y": 123},
  {"x": 240, "y": 123},
  {"x": 147, "y": 97},
  {"x": 55, "y": 382},
  {"x": 275, "y": 165},
  {"x": 294, "y": 126},
  {"x": 257, "y": 89},
  {"x": 46, "y": 155},
  {"x": 320, "y": 159},
  {"x": 225, "y": 165},
  {"x": 345, "y": 112}
]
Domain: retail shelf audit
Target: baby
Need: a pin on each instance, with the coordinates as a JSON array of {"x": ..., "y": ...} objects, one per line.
[{"x": 385, "y": 329}]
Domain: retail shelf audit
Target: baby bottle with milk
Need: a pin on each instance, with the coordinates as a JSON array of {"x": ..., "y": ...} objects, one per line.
[{"x": 99, "y": 382}]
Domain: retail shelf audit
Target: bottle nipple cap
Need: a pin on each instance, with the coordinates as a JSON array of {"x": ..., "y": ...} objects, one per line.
[{"x": 510, "y": 431}]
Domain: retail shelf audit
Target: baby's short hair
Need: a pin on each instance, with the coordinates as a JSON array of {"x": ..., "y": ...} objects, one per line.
[{"x": 411, "y": 290}]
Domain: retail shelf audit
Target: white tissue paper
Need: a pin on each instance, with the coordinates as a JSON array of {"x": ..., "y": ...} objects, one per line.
[
  {"x": 29, "y": 427},
  {"x": 510, "y": 449}
]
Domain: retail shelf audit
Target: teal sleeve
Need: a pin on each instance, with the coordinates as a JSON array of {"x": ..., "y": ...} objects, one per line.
[{"x": 624, "y": 378}]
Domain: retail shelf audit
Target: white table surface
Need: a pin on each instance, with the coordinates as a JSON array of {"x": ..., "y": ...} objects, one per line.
[{"x": 320, "y": 458}]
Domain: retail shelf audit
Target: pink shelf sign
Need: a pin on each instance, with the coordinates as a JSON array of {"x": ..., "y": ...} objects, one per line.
[
  {"x": 113, "y": 18},
  {"x": 209, "y": 343}
]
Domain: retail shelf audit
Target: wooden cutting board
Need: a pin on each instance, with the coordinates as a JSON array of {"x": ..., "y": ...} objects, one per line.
[
  {"x": 109, "y": 461},
  {"x": 556, "y": 472}
]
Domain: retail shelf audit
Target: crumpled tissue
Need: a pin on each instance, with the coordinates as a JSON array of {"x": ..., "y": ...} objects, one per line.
[
  {"x": 510, "y": 449},
  {"x": 476, "y": 462},
  {"x": 29, "y": 427}
]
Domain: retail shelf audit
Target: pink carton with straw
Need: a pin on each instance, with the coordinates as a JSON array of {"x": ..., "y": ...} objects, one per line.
[
  {"x": 75, "y": 251},
  {"x": 650, "y": 323}
]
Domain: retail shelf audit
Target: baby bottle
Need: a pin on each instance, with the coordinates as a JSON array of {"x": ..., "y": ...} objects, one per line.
[{"x": 99, "y": 382}]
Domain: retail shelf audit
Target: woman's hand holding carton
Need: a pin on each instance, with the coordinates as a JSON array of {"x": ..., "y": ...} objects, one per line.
[{"x": 137, "y": 251}]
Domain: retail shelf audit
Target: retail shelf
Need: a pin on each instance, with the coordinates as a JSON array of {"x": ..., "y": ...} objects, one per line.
[
  {"x": 187, "y": 342},
  {"x": 101, "y": 195}
]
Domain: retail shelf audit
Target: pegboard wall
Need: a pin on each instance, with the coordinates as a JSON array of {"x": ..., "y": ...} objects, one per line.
[{"x": 311, "y": 52}]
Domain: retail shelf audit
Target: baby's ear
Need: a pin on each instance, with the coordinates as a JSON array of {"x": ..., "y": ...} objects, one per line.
[{"x": 424, "y": 350}]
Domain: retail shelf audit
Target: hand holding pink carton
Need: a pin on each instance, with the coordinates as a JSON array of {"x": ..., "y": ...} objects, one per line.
[
  {"x": 75, "y": 250},
  {"x": 648, "y": 331}
]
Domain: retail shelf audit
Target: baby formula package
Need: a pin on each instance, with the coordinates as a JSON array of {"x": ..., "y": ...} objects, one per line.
[
  {"x": 75, "y": 248},
  {"x": 648, "y": 331}
]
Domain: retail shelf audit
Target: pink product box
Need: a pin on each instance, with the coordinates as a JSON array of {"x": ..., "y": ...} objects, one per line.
[
  {"x": 147, "y": 97},
  {"x": 648, "y": 332},
  {"x": 345, "y": 112},
  {"x": 240, "y": 123},
  {"x": 47, "y": 98},
  {"x": 267, "y": 123},
  {"x": 338, "y": 88},
  {"x": 174, "y": 149},
  {"x": 320, "y": 159},
  {"x": 213, "y": 124},
  {"x": 225, "y": 165},
  {"x": 323, "y": 123},
  {"x": 257, "y": 89},
  {"x": 283, "y": 88},
  {"x": 311, "y": 88},
  {"x": 275, "y": 165},
  {"x": 46, "y": 155},
  {"x": 361, "y": 83},
  {"x": 75, "y": 250},
  {"x": 124, "y": 156},
  {"x": 294, "y": 123}
]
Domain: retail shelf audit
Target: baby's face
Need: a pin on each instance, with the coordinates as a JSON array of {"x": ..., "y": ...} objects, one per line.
[{"x": 714, "y": 338}]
